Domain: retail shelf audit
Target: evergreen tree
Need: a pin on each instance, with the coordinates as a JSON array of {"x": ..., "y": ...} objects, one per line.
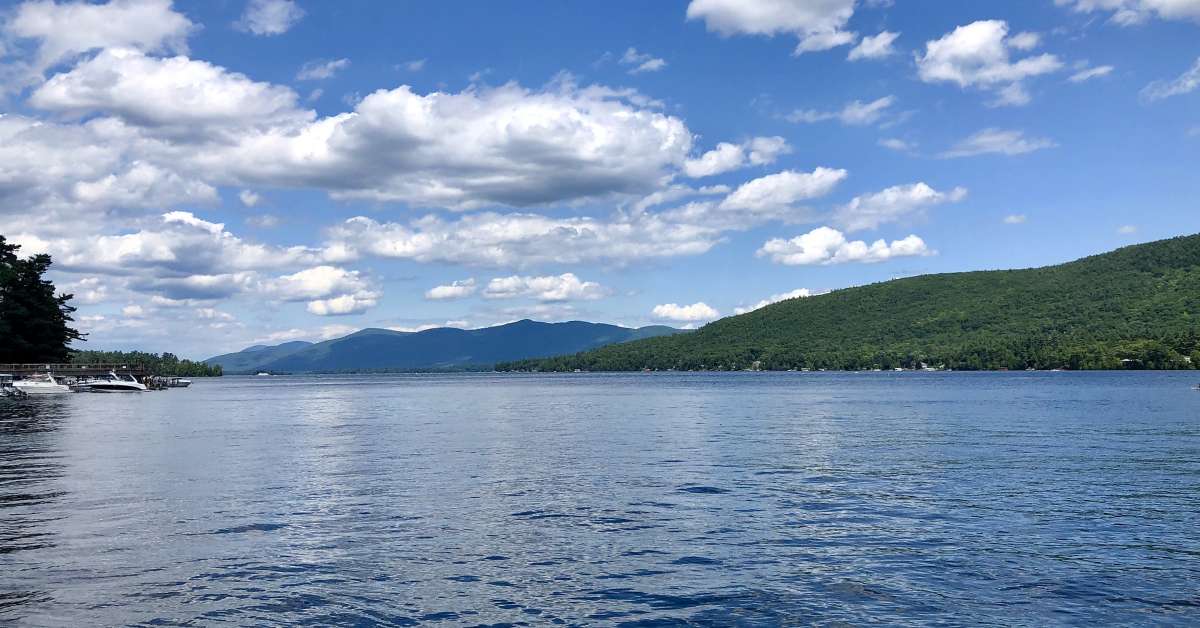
[{"x": 33, "y": 320}]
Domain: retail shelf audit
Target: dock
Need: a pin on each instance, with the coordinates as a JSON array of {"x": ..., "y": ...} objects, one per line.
[{"x": 76, "y": 370}]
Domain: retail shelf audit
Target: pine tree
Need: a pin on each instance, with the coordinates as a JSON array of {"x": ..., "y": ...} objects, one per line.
[{"x": 33, "y": 319}]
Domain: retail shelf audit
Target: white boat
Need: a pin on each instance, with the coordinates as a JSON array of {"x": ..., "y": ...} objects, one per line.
[
  {"x": 263, "y": 374},
  {"x": 41, "y": 384},
  {"x": 113, "y": 383},
  {"x": 178, "y": 382},
  {"x": 7, "y": 389}
]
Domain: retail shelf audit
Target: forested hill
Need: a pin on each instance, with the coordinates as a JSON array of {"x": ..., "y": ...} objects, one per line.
[{"x": 1136, "y": 307}]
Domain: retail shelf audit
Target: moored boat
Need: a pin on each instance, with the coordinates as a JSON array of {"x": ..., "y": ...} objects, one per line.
[
  {"x": 112, "y": 383},
  {"x": 41, "y": 384}
]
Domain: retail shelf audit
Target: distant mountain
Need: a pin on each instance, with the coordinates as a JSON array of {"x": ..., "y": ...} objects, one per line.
[
  {"x": 249, "y": 358},
  {"x": 433, "y": 349},
  {"x": 1136, "y": 307}
]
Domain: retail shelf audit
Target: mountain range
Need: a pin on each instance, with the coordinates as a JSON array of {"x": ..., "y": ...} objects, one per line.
[
  {"x": 1135, "y": 307},
  {"x": 443, "y": 348}
]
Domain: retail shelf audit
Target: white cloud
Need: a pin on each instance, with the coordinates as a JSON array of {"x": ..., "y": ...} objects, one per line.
[
  {"x": 781, "y": 191},
  {"x": 874, "y": 47},
  {"x": 854, "y": 113},
  {"x": 181, "y": 257},
  {"x": 324, "y": 332},
  {"x": 133, "y": 311},
  {"x": 565, "y": 287},
  {"x": 416, "y": 65},
  {"x": 174, "y": 93},
  {"x": 86, "y": 291},
  {"x": 896, "y": 144},
  {"x": 1024, "y": 41},
  {"x": 454, "y": 290},
  {"x": 66, "y": 30},
  {"x": 978, "y": 55},
  {"x": 1015, "y": 219},
  {"x": 1130, "y": 12},
  {"x": 249, "y": 198},
  {"x": 521, "y": 240},
  {"x": 1091, "y": 73},
  {"x": 484, "y": 146},
  {"x": 726, "y": 157},
  {"x": 695, "y": 312},
  {"x": 321, "y": 69},
  {"x": 263, "y": 221},
  {"x": 824, "y": 245},
  {"x": 817, "y": 24},
  {"x": 999, "y": 142},
  {"x": 868, "y": 211},
  {"x": 775, "y": 298},
  {"x": 213, "y": 314},
  {"x": 641, "y": 62},
  {"x": 1184, "y": 84},
  {"x": 329, "y": 290},
  {"x": 1127, "y": 229},
  {"x": 269, "y": 17}
]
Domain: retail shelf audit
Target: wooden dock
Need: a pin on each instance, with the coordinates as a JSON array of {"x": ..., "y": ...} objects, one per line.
[{"x": 75, "y": 370}]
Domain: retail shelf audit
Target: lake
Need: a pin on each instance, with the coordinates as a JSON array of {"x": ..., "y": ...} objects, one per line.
[{"x": 754, "y": 499}]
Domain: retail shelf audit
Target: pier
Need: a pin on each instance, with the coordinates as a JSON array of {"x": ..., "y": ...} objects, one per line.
[{"x": 75, "y": 370}]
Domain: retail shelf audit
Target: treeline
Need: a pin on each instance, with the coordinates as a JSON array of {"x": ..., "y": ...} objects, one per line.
[
  {"x": 1134, "y": 308},
  {"x": 1161, "y": 354},
  {"x": 166, "y": 364}
]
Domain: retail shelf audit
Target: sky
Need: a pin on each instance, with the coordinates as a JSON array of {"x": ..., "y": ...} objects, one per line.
[{"x": 213, "y": 174}]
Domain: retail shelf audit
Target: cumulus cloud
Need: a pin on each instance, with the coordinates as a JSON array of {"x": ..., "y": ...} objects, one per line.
[
  {"x": 798, "y": 293},
  {"x": 694, "y": 313},
  {"x": 868, "y": 211},
  {"x": 874, "y": 47},
  {"x": 564, "y": 287},
  {"x": 727, "y": 157},
  {"x": 640, "y": 62},
  {"x": 321, "y": 69},
  {"x": 825, "y": 246},
  {"x": 181, "y": 257},
  {"x": 454, "y": 290},
  {"x": 855, "y": 113},
  {"x": 979, "y": 55},
  {"x": 269, "y": 17},
  {"x": 998, "y": 142},
  {"x": 778, "y": 192},
  {"x": 1130, "y": 12},
  {"x": 174, "y": 93},
  {"x": 818, "y": 24},
  {"x": 329, "y": 290},
  {"x": 1184, "y": 84},
  {"x": 521, "y": 240},
  {"x": 66, "y": 30},
  {"x": 1014, "y": 219}
]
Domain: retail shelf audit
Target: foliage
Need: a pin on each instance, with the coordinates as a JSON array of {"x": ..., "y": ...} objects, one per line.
[
  {"x": 1135, "y": 307},
  {"x": 33, "y": 320},
  {"x": 166, "y": 364}
]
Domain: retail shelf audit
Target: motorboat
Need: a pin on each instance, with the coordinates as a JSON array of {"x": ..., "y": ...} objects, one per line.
[
  {"x": 178, "y": 382},
  {"x": 113, "y": 383},
  {"x": 7, "y": 389},
  {"x": 41, "y": 384}
]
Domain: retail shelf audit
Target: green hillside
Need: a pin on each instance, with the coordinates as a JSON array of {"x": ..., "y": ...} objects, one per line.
[{"x": 1136, "y": 307}]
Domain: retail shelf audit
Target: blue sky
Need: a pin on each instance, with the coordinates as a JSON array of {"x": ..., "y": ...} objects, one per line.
[{"x": 210, "y": 175}]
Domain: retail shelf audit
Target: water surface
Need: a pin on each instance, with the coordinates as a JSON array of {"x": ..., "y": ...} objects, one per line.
[{"x": 753, "y": 499}]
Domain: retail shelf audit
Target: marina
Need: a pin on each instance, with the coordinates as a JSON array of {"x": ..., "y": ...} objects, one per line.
[{"x": 23, "y": 380}]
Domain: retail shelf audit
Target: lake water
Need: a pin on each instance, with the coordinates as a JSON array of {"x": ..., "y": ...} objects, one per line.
[{"x": 753, "y": 499}]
